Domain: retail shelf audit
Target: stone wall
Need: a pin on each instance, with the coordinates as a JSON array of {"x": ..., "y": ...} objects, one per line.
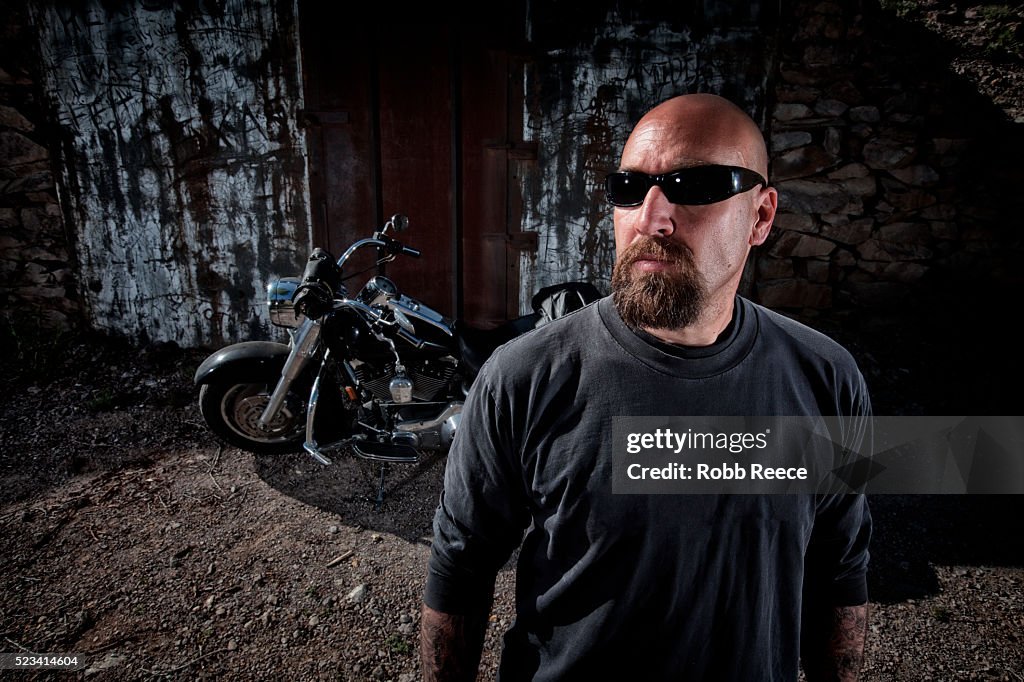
[
  {"x": 899, "y": 194},
  {"x": 883, "y": 161},
  {"x": 37, "y": 285}
]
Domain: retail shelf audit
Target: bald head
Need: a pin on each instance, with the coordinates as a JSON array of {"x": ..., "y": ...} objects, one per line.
[{"x": 694, "y": 129}]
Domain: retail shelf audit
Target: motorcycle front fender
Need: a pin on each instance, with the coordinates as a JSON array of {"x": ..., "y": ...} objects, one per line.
[{"x": 242, "y": 361}]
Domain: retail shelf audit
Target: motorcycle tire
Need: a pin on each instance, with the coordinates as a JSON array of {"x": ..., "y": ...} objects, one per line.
[{"x": 232, "y": 411}]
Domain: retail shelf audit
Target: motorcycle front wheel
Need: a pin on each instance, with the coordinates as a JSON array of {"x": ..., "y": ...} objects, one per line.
[{"x": 232, "y": 411}]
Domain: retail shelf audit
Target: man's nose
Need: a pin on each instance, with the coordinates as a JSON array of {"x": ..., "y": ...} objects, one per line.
[{"x": 656, "y": 215}]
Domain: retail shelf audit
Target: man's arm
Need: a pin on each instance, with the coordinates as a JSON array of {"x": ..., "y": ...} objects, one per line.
[
  {"x": 835, "y": 618},
  {"x": 450, "y": 645},
  {"x": 478, "y": 523},
  {"x": 837, "y": 654},
  {"x": 835, "y": 610}
]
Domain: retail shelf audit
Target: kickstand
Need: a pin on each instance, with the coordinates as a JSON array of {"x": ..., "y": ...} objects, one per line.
[{"x": 379, "y": 502}]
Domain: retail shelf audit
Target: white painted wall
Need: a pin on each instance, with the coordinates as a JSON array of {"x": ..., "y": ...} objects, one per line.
[{"x": 184, "y": 168}]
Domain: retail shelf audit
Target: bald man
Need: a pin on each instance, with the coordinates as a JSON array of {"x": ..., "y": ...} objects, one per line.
[{"x": 653, "y": 587}]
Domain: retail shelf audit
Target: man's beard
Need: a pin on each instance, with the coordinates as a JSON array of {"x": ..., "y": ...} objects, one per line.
[{"x": 667, "y": 299}]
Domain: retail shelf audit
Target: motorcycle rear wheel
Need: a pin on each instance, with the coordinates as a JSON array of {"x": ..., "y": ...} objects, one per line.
[{"x": 232, "y": 411}]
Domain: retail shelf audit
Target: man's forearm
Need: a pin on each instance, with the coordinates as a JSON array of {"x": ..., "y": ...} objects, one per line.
[
  {"x": 839, "y": 654},
  {"x": 450, "y": 645}
]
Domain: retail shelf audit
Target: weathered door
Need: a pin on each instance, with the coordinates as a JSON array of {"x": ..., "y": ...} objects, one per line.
[{"x": 420, "y": 118}]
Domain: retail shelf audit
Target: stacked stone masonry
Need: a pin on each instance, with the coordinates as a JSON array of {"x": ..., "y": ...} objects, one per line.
[
  {"x": 875, "y": 167},
  {"x": 37, "y": 284}
]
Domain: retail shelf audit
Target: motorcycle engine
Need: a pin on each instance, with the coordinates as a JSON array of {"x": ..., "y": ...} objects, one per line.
[
  {"x": 430, "y": 419},
  {"x": 431, "y": 379}
]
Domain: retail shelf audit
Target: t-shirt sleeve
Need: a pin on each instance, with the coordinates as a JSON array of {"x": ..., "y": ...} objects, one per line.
[
  {"x": 836, "y": 565},
  {"x": 482, "y": 511},
  {"x": 837, "y": 557}
]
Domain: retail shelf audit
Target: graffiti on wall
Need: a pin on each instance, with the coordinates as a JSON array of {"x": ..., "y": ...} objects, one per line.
[{"x": 184, "y": 168}]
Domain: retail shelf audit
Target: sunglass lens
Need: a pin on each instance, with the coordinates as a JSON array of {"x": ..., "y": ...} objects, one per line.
[
  {"x": 698, "y": 185},
  {"x": 626, "y": 189}
]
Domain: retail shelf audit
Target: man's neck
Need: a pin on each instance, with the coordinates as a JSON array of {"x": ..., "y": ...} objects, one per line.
[{"x": 704, "y": 332}]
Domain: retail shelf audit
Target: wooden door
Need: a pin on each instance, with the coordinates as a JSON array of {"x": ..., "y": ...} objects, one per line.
[{"x": 420, "y": 118}]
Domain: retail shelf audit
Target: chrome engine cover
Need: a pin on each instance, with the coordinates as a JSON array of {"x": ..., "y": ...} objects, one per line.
[
  {"x": 430, "y": 434},
  {"x": 430, "y": 379}
]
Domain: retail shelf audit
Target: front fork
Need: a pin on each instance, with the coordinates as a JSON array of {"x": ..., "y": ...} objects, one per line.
[
  {"x": 311, "y": 445},
  {"x": 304, "y": 346}
]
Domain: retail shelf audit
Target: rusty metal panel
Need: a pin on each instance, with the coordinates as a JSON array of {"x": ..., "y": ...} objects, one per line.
[
  {"x": 340, "y": 119},
  {"x": 485, "y": 146},
  {"x": 184, "y": 167},
  {"x": 416, "y": 155}
]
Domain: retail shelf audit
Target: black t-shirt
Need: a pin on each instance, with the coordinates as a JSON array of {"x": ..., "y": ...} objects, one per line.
[{"x": 645, "y": 587}]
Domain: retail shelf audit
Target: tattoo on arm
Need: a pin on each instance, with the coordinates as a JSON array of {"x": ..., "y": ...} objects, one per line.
[
  {"x": 846, "y": 648},
  {"x": 841, "y": 653},
  {"x": 450, "y": 645}
]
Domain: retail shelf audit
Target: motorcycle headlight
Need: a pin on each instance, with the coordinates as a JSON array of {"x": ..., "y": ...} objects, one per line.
[{"x": 279, "y": 300}]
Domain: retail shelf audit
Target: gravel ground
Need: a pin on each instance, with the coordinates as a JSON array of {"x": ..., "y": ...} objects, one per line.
[
  {"x": 132, "y": 537},
  {"x": 136, "y": 539}
]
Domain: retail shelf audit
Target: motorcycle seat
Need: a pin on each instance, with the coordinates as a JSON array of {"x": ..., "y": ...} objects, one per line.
[
  {"x": 559, "y": 300},
  {"x": 550, "y": 303}
]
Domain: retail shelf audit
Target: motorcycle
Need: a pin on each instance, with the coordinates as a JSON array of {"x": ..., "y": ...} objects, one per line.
[{"x": 379, "y": 373}]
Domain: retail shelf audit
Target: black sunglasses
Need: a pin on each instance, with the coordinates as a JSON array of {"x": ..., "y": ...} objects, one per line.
[{"x": 693, "y": 186}]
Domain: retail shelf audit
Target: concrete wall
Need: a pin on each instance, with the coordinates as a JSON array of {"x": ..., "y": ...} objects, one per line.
[{"x": 183, "y": 165}]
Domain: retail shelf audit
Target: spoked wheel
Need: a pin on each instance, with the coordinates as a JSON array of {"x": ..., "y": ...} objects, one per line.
[{"x": 232, "y": 411}]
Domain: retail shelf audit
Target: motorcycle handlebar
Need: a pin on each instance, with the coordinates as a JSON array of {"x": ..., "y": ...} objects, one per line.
[
  {"x": 395, "y": 247},
  {"x": 391, "y": 246}
]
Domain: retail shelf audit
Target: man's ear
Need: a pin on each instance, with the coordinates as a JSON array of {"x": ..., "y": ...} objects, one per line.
[{"x": 769, "y": 202}]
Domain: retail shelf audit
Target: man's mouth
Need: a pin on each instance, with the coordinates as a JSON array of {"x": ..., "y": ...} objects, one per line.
[
  {"x": 655, "y": 256},
  {"x": 652, "y": 264}
]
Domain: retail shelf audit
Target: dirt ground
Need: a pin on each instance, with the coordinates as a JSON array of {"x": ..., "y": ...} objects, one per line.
[{"x": 131, "y": 537}]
